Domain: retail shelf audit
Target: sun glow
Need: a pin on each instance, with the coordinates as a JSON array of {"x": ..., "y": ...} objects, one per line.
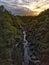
[{"x": 38, "y": 10}]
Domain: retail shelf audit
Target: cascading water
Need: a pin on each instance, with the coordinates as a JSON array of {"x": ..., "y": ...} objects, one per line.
[
  {"x": 28, "y": 55},
  {"x": 26, "y": 49}
]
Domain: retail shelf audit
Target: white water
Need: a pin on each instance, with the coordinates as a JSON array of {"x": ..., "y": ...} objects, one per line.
[{"x": 26, "y": 49}]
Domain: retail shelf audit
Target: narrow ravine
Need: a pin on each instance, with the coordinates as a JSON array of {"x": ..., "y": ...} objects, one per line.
[{"x": 30, "y": 55}]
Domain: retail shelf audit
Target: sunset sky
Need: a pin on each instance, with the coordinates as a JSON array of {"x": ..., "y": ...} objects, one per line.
[{"x": 32, "y": 5}]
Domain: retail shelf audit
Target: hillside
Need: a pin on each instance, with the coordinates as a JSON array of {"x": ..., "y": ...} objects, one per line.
[
  {"x": 37, "y": 29},
  {"x": 10, "y": 35}
]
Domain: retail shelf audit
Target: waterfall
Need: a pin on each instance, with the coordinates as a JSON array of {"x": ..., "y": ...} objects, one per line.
[
  {"x": 26, "y": 49},
  {"x": 28, "y": 55}
]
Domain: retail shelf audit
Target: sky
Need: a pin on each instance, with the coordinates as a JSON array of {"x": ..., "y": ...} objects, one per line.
[{"x": 31, "y": 5}]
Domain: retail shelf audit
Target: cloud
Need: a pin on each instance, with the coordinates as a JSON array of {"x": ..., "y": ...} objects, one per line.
[{"x": 28, "y": 5}]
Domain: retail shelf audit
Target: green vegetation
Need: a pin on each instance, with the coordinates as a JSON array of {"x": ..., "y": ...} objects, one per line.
[{"x": 10, "y": 34}]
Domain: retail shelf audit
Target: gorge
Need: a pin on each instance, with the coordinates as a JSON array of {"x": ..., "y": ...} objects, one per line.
[{"x": 30, "y": 46}]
